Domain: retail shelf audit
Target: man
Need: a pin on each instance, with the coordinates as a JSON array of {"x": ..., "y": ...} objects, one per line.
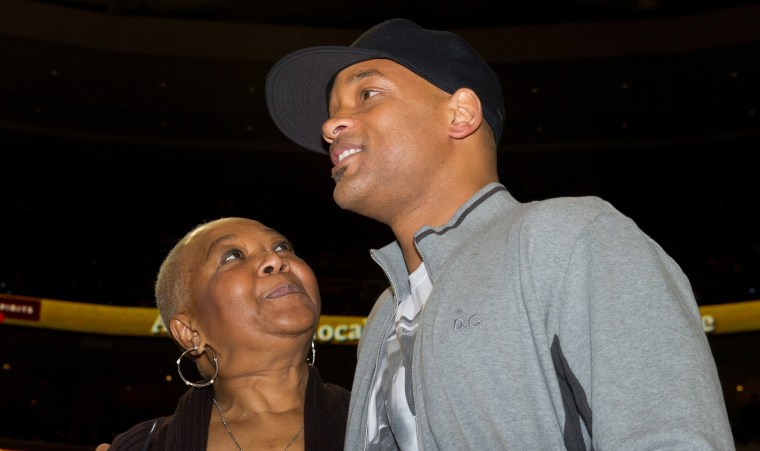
[{"x": 544, "y": 325}]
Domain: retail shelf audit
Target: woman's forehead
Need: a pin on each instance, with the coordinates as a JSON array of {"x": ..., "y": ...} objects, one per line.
[
  {"x": 225, "y": 226},
  {"x": 208, "y": 235}
]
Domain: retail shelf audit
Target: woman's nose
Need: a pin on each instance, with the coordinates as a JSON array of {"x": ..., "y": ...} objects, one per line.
[{"x": 272, "y": 263}]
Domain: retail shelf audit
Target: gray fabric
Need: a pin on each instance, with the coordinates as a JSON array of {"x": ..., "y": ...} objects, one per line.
[
  {"x": 573, "y": 399},
  {"x": 392, "y": 412},
  {"x": 508, "y": 278},
  {"x": 394, "y": 390}
]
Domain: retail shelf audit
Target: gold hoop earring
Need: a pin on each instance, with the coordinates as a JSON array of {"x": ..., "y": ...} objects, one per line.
[{"x": 214, "y": 361}]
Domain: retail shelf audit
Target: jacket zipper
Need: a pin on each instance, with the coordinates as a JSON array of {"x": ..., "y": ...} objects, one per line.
[
  {"x": 379, "y": 347},
  {"x": 414, "y": 357}
]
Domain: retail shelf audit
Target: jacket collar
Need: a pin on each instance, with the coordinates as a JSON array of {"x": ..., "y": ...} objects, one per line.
[{"x": 435, "y": 243}]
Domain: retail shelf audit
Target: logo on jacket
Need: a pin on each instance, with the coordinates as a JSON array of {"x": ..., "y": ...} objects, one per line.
[{"x": 464, "y": 323}]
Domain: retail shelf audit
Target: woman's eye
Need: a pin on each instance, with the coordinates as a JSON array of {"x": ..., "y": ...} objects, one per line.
[
  {"x": 232, "y": 255},
  {"x": 283, "y": 247}
]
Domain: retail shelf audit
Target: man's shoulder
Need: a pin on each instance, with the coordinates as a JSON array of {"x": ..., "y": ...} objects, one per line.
[
  {"x": 567, "y": 217},
  {"x": 577, "y": 206},
  {"x": 566, "y": 210}
]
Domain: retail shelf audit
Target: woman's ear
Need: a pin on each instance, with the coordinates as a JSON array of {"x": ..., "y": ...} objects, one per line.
[
  {"x": 468, "y": 113},
  {"x": 181, "y": 330}
]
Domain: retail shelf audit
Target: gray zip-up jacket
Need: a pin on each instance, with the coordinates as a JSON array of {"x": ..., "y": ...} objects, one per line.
[{"x": 552, "y": 325}]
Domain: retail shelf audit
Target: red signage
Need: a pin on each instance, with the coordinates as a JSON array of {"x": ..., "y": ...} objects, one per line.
[{"x": 28, "y": 309}]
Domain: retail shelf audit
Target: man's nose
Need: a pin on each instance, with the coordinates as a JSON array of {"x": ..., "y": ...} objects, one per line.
[{"x": 333, "y": 126}]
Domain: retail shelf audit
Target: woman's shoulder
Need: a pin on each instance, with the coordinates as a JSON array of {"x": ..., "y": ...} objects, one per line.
[
  {"x": 337, "y": 391},
  {"x": 326, "y": 392},
  {"x": 135, "y": 437}
]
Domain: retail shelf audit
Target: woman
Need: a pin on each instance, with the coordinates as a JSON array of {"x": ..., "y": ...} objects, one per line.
[{"x": 238, "y": 301}]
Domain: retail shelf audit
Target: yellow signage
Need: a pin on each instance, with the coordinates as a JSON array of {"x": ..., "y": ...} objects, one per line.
[
  {"x": 135, "y": 321},
  {"x": 340, "y": 330}
]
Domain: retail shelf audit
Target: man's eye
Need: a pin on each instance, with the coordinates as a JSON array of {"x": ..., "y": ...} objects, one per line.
[
  {"x": 232, "y": 255},
  {"x": 283, "y": 246},
  {"x": 367, "y": 93}
]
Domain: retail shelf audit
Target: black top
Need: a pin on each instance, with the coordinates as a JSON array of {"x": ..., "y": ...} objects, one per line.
[{"x": 325, "y": 415}]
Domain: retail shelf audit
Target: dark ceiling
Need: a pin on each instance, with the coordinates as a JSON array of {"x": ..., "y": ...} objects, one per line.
[
  {"x": 434, "y": 13},
  {"x": 577, "y": 74},
  {"x": 134, "y": 120}
]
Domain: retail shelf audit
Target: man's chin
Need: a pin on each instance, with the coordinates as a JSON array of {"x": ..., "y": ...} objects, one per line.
[
  {"x": 338, "y": 175},
  {"x": 343, "y": 196}
]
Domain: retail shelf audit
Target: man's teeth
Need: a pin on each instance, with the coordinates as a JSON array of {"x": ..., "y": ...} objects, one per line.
[{"x": 347, "y": 153}]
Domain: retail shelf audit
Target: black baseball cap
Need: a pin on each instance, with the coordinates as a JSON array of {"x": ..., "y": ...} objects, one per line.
[{"x": 298, "y": 85}]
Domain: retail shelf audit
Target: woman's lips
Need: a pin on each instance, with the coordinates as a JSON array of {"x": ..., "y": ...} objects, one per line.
[{"x": 284, "y": 290}]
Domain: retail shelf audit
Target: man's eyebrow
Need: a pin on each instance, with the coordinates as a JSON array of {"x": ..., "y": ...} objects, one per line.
[
  {"x": 353, "y": 79},
  {"x": 216, "y": 242},
  {"x": 364, "y": 74}
]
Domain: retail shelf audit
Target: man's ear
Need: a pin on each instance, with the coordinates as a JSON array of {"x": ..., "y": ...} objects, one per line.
[
  {"x": 468, "y": 113},
  {"x": 182, "y": 331}
]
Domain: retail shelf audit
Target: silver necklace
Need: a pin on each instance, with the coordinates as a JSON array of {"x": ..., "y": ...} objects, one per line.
[{"x": 224, "y": 422}]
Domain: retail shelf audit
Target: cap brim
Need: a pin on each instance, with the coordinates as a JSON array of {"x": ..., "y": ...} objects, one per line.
[{"x": 296, "y": 90}]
